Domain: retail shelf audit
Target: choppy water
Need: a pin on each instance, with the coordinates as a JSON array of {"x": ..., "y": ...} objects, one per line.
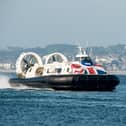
[{"x": 28, "y": 107}]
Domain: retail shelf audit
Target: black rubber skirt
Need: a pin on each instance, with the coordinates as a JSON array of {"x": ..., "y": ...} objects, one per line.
[{"x": 71, "y": 82}]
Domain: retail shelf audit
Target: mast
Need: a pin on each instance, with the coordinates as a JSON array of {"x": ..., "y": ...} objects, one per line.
[{"x": 81, "y": 53}]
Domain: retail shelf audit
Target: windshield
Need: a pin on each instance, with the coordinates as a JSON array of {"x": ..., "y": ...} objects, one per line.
[{"x": 86, "y": 61}]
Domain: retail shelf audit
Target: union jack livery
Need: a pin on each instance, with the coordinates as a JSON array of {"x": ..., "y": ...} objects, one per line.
[{"x": 87, "y": 64}]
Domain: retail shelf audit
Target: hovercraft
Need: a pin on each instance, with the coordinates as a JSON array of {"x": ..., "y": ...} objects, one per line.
[{"x": 54, "y": 71}]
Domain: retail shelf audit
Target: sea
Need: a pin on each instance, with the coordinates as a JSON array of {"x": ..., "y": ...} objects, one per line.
[{"x": 23, "y": 106}]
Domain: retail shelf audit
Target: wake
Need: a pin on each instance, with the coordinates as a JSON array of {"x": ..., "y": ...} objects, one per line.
[{"x": 4, "y": 84}]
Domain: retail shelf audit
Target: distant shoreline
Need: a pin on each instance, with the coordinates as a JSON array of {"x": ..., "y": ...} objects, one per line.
[{"x": 7, "y": 71}]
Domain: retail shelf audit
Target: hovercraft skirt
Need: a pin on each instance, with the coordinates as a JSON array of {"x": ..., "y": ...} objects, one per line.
[{"x": 71, "y": 82}]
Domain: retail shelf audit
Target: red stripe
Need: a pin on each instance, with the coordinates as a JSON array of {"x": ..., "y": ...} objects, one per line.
[
  {"x": 91, "y": 70},
  {"x": 79, "y": 71},
  {"x": 75, "y": 66}
]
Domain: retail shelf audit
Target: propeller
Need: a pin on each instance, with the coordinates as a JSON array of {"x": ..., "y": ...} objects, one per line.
[{"x": 26, "y": 61}]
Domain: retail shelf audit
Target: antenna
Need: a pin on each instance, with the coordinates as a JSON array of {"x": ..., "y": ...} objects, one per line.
[{"x": 81, "y": 52}]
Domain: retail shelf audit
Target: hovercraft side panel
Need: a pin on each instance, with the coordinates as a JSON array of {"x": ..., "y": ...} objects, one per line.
[{"x": 71, "y": 82}]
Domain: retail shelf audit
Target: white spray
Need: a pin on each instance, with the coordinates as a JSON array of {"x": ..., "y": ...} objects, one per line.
[{"x": 4, "y": 82}]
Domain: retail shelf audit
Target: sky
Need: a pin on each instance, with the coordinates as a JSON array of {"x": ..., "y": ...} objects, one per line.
[{"x": 38, "y": 23}]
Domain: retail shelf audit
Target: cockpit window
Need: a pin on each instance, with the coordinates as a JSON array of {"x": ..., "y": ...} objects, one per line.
[{"x": 86, "y": 61}]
